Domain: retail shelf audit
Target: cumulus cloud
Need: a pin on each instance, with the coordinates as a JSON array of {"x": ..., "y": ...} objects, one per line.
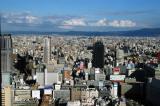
[
  {"x": 74, "y": 22},
  {"x": 115, "y": 23},
  {"x": 101, "y": 22},
  {"x": 31, "y": 19},
  {"x": 26, "y": 19},
  {"x": 20, "y": 18},
  {"x": 122, "y": 23}
]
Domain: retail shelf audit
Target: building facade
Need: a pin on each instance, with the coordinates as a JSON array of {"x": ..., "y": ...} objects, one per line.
[
  {"x": 6, "y": 96},
  {"x": 47, "y": 49},
  {"x": 98, "y": 55},
  {"x": 6, "y": 51}
]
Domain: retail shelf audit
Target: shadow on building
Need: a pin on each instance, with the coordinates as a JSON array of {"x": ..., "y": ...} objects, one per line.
[
  {"x": 144, "y": 73},
  {"x": 137, "y": 91}
]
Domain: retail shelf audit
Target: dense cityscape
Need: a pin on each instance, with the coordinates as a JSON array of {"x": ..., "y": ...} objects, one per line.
[
  {"x": 80, "y": 53},
  {"x": 55, "y": 70}
]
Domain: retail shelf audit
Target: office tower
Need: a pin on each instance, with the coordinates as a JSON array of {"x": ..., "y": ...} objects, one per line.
[
  {"x": 119, "y": 56},
  {"x": 6, "y": 51},
  {"x": 98, "y": 55},
  {"x": 47, "y": 49}
]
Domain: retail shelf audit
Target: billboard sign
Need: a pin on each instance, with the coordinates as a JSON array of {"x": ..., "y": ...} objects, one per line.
[{"x": 117, "y": 78}]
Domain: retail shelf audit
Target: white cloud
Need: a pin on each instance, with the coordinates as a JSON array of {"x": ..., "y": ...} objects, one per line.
[
  {"x": 74, "y": 22},
  {"x": 64, "y": 22},
  {"x": 20, "y": 18},
  {"x": 101, "y": 22},
  {"x": 31, "y": 19},
  {"x": 122, "y": 23},
  {"x": 115, "y": 23}
]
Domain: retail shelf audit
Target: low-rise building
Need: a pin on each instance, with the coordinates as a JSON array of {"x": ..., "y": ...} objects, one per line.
[
  {"x": 75, "y": 94},
  {"x": 73, "y": 103},
  {"x": 88, "y": 94},
  {"x": 61, "y": 94},
  {"x": 20, "y": 94}
]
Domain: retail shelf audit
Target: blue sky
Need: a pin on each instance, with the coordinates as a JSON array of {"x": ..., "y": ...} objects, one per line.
[{"x": 79, "y": 15}]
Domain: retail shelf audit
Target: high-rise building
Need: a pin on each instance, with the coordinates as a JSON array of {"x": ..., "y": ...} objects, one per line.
[
  {"x": 6, "y": 51},
  {"x": 119, "y": 56},
  {"x": 47, "y": 49},
  {"x": 98, "y": 55}
]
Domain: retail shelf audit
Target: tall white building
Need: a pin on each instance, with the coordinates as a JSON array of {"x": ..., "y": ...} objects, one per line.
[
  {"x": 119, "y": 56},
  {"x": 6, "y": 51},
  {"x": 47, "y": 49}
]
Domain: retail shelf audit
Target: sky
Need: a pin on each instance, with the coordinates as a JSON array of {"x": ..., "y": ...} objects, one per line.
[{"x": 79, "y": 15}]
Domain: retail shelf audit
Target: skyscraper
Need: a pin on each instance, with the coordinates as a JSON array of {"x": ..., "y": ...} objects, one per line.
[
  {"x": 47, "y": 49},
  {"x": 98, "y": 55},
  {"x": 6, "y": 51}
]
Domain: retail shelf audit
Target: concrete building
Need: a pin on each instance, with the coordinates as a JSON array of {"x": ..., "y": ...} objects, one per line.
[
  {"x": 88, "y": 94},
  {"x": 7, "y": 96},
  {"x": 92, "y": 75},
  {"x": 100, "y": 76},
  {"x": 6, "y": 79},
  {"x": 53, "y": 77},
  {"x": 153, "y": 92},
  {"x": 93, "y": 82},
  {"x": 61, "y": 94},
  {"x": 119, "y": 56},
  {"x": 40, "y": 78},
  {"x": 61, "y": 102},
  {"x": 6, "y": 51},
  {"x": 47, "y": 49},
  {"x": 133, "y": 90},
  {"x": 36, "y": 94},
  {"x": 104, "y": 92},
  {"x": 73, "y": 103},
  {"x": 98, "y": 55},
  {"x": 20, "y": 95},
  {"x": 75, "y": 94},
  {"x": 48, "y": 78},
  {"x": 61, "y": 60},
  {"x": 26, "y": 103},
  {"x": 157, "y": 72}
]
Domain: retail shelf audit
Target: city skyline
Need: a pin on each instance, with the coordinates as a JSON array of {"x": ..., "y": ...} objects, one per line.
[{"x": 80, "y": 15}]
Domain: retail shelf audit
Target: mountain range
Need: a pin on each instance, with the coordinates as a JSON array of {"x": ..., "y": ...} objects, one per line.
[{"x": 146, "y": 32}]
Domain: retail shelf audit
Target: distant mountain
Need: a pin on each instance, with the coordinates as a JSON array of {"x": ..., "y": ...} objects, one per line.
[{"x": 141, "y": 32}]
